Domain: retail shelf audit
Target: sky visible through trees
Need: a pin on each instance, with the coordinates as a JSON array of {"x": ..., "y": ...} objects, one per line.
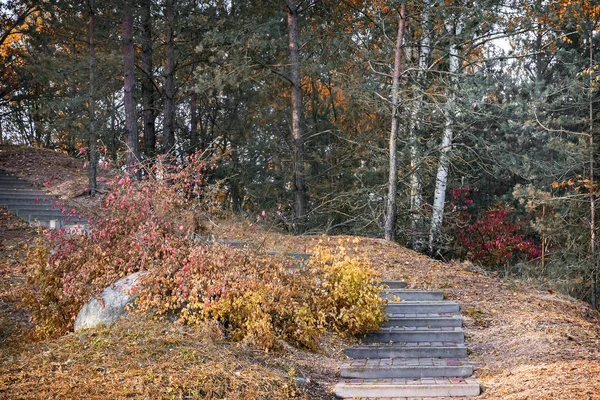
[{"x": 485, "y": 111}]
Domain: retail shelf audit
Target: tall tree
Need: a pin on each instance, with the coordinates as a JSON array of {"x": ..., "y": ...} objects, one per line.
[
  {"x": 193, "y": 121},
  {"x": 148, "y": 91},
  {"x": 454, "y": 29},
  {"x": 169, "y": 89},
  {"x": 93, "y": 137},
  {"x": 390, "y": 215},
  {"x": 13, "y": 17},
  {"x": 420, "y": 86},
  {"x": 129, "y": 85},
  {"x": 293, "y": 8},
  {"x": 591, "y": 168}
]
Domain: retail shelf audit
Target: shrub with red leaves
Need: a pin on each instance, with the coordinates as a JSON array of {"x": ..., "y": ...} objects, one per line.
[{"x": 495, "y": 240}]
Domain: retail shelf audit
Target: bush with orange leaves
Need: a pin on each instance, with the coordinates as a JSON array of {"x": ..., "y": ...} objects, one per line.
[{"x": 259, "y": 298}]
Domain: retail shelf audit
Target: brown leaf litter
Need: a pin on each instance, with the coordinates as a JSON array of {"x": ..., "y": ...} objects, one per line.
[{"x": 525, "y": 343}]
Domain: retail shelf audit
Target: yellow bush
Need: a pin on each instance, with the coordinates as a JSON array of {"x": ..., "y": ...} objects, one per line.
[
  {"x": 258, "y": 299},
  {"x": 349, "y": 284},
  {"x": 255, "y": 296}
]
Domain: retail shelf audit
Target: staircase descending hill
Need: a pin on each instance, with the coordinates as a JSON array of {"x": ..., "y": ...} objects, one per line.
[
  {"x": 419, "y": 353},
  {"x": 35, "y": 206}
]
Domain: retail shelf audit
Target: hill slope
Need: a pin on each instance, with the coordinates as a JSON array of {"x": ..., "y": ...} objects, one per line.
[{"x": 525, "y": 343}]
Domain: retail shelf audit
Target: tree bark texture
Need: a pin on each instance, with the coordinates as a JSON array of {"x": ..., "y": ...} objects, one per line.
[
  {"x": 297, "y": 131},
  {"x": 169, "y": 110},
  {"x": 148, "y": 91},
  {"x": 441, "y": 182},
  {"x": 92, "y": 145},
  {"x": 390, "y": 214},
  {"x": 129, "y": 86}
]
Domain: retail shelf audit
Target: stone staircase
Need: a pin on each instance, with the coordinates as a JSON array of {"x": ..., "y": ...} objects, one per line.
[
  {"x": 419, "y": 353},
  {"x": 35, "y": 206}
]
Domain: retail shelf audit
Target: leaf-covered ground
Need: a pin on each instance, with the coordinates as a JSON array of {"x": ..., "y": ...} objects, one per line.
[{"x": 525, "y": 343}]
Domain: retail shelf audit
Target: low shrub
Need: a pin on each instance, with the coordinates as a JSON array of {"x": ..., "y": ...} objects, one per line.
[
  {"x": 263, "y": 299},
  {"x": 150, "y": 224},
  {"x": 495, "y": 240}
]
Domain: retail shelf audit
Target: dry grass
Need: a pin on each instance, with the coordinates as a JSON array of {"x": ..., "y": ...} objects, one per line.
[
  {"x": 525, "y": 343},
  {"x": 138, "y": 358}
]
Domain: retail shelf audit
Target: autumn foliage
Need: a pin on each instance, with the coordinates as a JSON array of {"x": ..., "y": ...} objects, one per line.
[
  {"x": 154, "y": 225},
  {"x": 495, "y": 238}
]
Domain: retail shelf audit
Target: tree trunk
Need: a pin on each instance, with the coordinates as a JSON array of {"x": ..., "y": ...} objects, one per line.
[
  {"x": 390, "y": 215},
  {"x": 148, "y": 92},
  {"x": 594, "y": 265},
  {"x": 92, "y": 145},
  {"x": 113, "y": 129},
  {"x": 297, "y": 133},
  {"x": 416, "y": 181},
  {"x": 193, "y": 122},
  {"x": 169, "y": 110},
  {"x": 439, "y": 198},
  {"x": 37, "y": 124},
  {"x": 128, "y": 98}
]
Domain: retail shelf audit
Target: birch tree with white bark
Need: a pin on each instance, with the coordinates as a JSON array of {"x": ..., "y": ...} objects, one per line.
[{"x": 454, "y": 30}]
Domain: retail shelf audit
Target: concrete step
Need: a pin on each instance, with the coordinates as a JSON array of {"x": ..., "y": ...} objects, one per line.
[
  {"x": 7, "y": 179},
  {"x": 43, "y": 210},
  {"x": 28, "y": 201},
  {"x": 409, "y": 350},
  {"x": 411, "y": 295},
  {"x": 10, "y": 178},
  {"x": 72, "y": 226},
  {"x": 36, "y": 206},
  {"x": 17, "y": 186},
  {"x": 431, "y": 320},
  {"x": 422, "y": 307},
  {"x": 406, "y": 388},
  {"x": 8, "y": 192},
  {"x": 394, "y": 284},
  {"x": 382, "y": 368},
  {"x": 416, "y": 334},
  {"x": 23, "y": 194},
  {"x": 63, "y": 219},
  {"x": 40, "y": 207}
]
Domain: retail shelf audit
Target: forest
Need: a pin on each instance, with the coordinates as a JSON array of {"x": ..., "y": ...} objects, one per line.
[{"x": 464, "y": 129}]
